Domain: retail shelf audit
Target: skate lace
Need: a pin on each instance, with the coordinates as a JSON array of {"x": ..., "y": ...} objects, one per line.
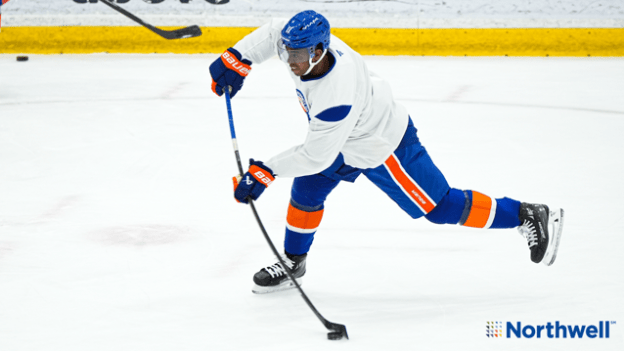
[
  {"x": 527, "y": 230},
  {"x": 276, "y": 270}
]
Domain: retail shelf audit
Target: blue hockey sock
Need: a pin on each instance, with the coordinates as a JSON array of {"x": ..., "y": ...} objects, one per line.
[
  {"x": 473, "y": 209},
  {"x": 301, "y": 225}
]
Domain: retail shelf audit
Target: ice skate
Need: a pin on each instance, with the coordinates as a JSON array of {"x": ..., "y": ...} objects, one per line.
[
  {"x": 274, "y": 278},
  {"x": 542, "y": 229}
]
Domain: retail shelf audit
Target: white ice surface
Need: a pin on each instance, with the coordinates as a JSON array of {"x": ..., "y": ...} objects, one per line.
[{"x": 118, "y": 230}]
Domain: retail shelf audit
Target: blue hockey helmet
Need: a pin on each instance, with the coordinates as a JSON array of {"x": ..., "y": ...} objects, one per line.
[{"x": 306, "y": 30}]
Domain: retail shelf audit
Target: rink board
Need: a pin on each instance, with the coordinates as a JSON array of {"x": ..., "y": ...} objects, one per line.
[{"x": 367, "y": 41}]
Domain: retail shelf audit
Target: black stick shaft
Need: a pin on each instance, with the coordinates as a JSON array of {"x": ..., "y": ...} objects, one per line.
[
  {"x": 127, "y": 14},
  {"x": 325, "y": 322},
  {"x": 186, "y": 32}
]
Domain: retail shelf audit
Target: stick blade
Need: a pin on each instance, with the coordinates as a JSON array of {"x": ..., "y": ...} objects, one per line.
[
  {"x": 338, "y": 332},
  {"x": 182, "y": 33}
]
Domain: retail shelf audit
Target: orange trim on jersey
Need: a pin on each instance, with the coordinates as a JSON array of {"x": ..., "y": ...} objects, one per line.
[
  {"x": 234, "y": 64},
  {"x": 265, "y": 178},
  {"x": 480, "y": 210},
  {"x": 410, "y": 187},
  {"x": 214, "y": 87},
  {"x": 302, "y": 219}
]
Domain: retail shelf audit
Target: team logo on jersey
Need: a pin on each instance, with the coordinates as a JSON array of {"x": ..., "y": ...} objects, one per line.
[{"x": 304, "y": 104}]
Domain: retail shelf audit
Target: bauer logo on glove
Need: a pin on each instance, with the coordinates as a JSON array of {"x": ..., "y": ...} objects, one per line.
[
  {"x": 234, "y": 64},
  {"x": 253, "y": 183},
  {"x": 267, "y": 180},
  {"x": 230, "y": 69}
]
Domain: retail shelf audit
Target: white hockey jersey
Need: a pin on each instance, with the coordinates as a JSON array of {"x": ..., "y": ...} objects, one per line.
[{"x": 372, "y": 128}]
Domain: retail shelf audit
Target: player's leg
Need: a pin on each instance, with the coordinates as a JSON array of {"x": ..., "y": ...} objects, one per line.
[
  {"x": 305, "y": 212},
  {"x": 471, "y": 208},
  {"x": 412, "y": 180},
  {"x": 540, "y": 226}
]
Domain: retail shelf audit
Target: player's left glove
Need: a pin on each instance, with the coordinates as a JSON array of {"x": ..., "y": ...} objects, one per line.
[
  {"x": 229, "y": 70},
  {"x": 253, "y": 183}
]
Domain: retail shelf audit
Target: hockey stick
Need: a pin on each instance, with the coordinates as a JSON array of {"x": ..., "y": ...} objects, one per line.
[
  {"x": 186, "y": 32},
  {"x": 337, "y": 331}
]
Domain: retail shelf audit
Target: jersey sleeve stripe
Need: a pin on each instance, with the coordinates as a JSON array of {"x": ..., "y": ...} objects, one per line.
[{"x": 334, "y": 114}]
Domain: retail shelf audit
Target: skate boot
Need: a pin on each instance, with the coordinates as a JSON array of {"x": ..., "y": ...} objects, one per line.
[
  {"x": 274, "y": 278},
  {"x": 542, "y": 229}
]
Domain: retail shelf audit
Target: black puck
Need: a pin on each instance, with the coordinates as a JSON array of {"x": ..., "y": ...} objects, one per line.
[
  {"x": 334, "y": 336},
  {"x": 22, "y": 58}
]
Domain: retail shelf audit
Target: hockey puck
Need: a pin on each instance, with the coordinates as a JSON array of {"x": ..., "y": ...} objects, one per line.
[
  {"x": 22, "y": 58},
  {"x": 334, "y": 336}
]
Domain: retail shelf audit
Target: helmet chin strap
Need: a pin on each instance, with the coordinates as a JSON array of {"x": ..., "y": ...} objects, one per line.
[{"x": 312, "y": 64}]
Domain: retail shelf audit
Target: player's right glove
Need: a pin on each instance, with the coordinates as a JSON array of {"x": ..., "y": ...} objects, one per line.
[
  {"x": 229, "y": 70},
  {"x": 253, "y": 183}
]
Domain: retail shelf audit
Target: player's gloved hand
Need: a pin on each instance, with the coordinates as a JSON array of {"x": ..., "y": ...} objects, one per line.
[
  {"x": 229, "y": 70},
  {"x": 253, "y": 183}
]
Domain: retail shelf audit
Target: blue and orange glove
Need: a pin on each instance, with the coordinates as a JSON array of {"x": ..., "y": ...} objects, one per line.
[
  {"x": 253, "y": 183},
  {"x": 229, "y": 70}
]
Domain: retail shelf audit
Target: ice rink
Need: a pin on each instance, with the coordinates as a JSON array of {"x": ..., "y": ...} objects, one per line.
[{"x": 118, "y": 229}]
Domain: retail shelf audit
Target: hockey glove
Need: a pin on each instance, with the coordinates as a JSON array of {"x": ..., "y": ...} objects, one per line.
[
  {"x": 229, "y": 70},
  {"x": 253, "y": 183}
]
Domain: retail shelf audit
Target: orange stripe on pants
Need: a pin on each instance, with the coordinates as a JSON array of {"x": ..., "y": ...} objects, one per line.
[
  {"x": 302, "y": 219},
  {"x": 480, "y": 210},
  {"x": 411, "y": 188}
]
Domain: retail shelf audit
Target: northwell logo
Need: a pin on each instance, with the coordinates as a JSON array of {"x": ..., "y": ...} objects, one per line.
[
  {"x": 548, "y": 330},
  {"x": 494, "y": 329}
]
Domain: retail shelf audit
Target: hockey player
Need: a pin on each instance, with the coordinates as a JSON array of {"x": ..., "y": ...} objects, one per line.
[{"x": 356, "y": 128}]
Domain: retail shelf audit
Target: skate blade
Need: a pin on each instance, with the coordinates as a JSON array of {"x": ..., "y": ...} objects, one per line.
[
  {"x": 555, "y": 226},
  {"x": 286, "y": 285}
]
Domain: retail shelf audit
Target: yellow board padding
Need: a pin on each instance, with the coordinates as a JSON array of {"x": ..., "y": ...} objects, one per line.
[
  {"x": 87, "y": 40},
  {"x": 367, "y": 41},
  {"x": 487, "y": 42}
]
